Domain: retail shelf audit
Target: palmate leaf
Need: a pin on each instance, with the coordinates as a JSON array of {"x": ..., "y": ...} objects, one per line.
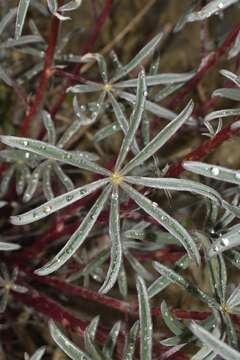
[
  {"x": 210, "y": 9},
  {"x": 21, "y": 15},
  {"x": 134, "y": 120},
  {"x": 78, "y": 237},
  {"x": 160, "y": 139},
  {"x": 141, "y": 55},
  {"x": 145, "y": 320},
  {"x": 158, "y": 79},
  {"x": 218, "y": 346},
  {"x": 165, "y": 220},
  {"x": 176, "y": 184},
  {"x": 57, "y": 203},
  {"x": 50, "y": 151},
  {"x": 65, "y": 344},
  {"x": 116, "y": 246}
]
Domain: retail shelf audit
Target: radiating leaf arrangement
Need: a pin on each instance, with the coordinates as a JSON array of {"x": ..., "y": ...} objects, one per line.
[
  {"x": 128, "y": 201},
  {"x": 113, "y": 184},
  {"x": 113, "y": 91}
]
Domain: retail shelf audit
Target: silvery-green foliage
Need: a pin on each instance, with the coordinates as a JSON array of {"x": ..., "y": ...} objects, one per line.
[
  {"x": 212, "y": 8},
  {"x": 20, "y": 164},
  {"x": 8, "y": 283},
  {"x": 114, "y": 89},
  {"x": 218, "y": 346},
  {"x": 49, "y": 168},
  {"x": 114, "y": 180},
  {"x": 23, "y": 6},
  {"x": 38, "y": 354},
  {"x": 92, "y": 350},
  {"x": 229, "y": 93}
]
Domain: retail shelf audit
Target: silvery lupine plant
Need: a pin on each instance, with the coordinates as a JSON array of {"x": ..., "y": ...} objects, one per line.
[
  {"x": 114, "y": 183},
  {"x": 112, "y": 90},
  {"x": 143, "y": 327}
]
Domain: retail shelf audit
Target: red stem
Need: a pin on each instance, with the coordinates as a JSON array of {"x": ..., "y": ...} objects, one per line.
[
  {"x": 206, "y": 64},
  {"x": 202, "y": 150},
  {"x": 45, "y": 75},
  {"x": 53, "y": 310},
  {"x": 86, "y": 48}
]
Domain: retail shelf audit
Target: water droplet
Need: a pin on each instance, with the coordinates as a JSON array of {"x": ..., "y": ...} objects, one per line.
[
  {"x": 237, "y": 175},
  {"x": 82, "y": 191},
  {"x": 215, "y": 249},
  {"x": 220, "y": 5},
  {"x": 154, "y": 204},
  {"x": 69, "y": 197},
  {"x": 215, "y": 171},
  {"x": 67, "y": 156},
  {"x": 225, "y": 241},
  {"x": 47, "y": 209},
  {"x": 43, "y": 147},
  {"x": 25, "y": 143},
  {"x": 114, "y": 196},
  {"x": 145, "y": 93},
  {"x": 27, "y": 155}
]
